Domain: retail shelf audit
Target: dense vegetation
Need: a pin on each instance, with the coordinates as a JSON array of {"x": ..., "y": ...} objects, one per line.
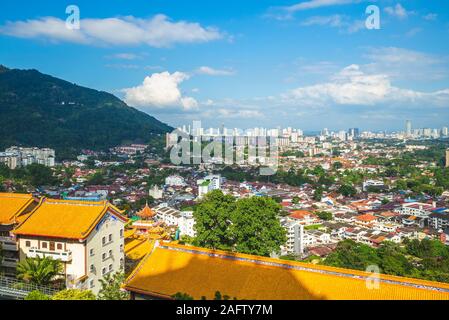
[
  {"x": 32, "y": 113},
  {"x": 247, "y": 225},
  {"x": 426, "y": 259}
]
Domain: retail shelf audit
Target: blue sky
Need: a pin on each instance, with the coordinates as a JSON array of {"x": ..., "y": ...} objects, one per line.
[{"x": 307, "y": 64}]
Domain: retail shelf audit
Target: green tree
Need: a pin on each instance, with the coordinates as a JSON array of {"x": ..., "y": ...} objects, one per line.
[
  {"x": 40, "y": 271},
  {"x": 74, "y": 294},
  {"x": 255, "y": 226},
  {"x": 39, "y": 175},
  {"x": 181, "y": 296},
  {"x": 111, "y": 287},
  {"x": 318, "y": 194},
  {"x": 212, "y": 221},
  {"x": 37, "y": 295},
  {"x": 324, "y": 215},
  {"x": 248, "y": 225},
  {"x": 347, "y": 190}
]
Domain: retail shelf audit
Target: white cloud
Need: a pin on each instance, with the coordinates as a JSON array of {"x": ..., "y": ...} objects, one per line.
[
  {"x": 158, "y": 31},
  {"x": 214, "y": 72},
  {"x": 352, "y": 86},
  {"x": 341, "y": 22},
  {"x": 405, "y": 64},
  {"x": 313, "y": 4},
  {"x": 229, "y": 113},
  {"x": 161, "y": 90},
  {"x": 397, "y": 11},
  {"x": 431, "y": 17},
  {"x": 125, "y": 56}
]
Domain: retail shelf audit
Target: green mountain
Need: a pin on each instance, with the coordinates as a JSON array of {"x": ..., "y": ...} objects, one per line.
[{"x": 43, "y": 111}]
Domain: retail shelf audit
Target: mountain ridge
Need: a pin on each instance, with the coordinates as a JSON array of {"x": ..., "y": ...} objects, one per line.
[{"x": 44, "y": 111}]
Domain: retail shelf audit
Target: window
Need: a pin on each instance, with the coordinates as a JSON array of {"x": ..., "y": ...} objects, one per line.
[
  {"x": 91, "y": 252},
  {"x": 110, "y": 237},
  {"x": 91, "y": 283},
  {"x": 121, "y": 233},
  {"x": 59, "y": 246},
  {"x": 44, "y": 245},
  {"x": 103, "y": 256},
  {"x": 27, "y": 244},
  {"x": 121, "y": 248},
  {"x": 92, "y": 268},
  {"x": 110, "y": 267},
  {"x": 103, "y": 271},
  {"x": 122, "y": 263},
  {"x": 110, "y": 253},
  {"x": 103, "y": 240}
]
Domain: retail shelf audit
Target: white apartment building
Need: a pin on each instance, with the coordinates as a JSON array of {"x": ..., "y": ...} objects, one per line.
[
  {"x": 176, "y": 181},
  {"x": 87, "y": 237},
  {"x": 182, "y": 219},
  {"x": 209, "y": 183},
  {"x": 416, "y": 209},
  {"x": 18, "y": 156}
]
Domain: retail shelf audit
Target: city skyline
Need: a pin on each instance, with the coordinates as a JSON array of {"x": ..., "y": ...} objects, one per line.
[{"x": 308, "y": 64}]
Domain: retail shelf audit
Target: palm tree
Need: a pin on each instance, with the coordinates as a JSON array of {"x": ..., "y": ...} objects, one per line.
[{"x": 40, "y": 271}]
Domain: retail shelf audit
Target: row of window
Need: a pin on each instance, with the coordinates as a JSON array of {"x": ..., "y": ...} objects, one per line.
[{"x": 47, "y": 245}]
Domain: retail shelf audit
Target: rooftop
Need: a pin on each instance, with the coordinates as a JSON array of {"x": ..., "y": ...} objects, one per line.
[
  {"x": 12, "y": 205},
  {"x": 199, "y": 272},
  {"x": 66, "y": 218}
]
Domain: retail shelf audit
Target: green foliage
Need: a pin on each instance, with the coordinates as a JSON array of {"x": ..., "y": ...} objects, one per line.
[
  {"x": 247, "y": 225},
  {"x": 111, "y": 287},
  {"x": 318, "y": 194},
  {"x": 255, "y": 226},
  {"x": 40, "y": 271},
  {"x": 181, "y": 296},
  {"x": 347, "y": 190},
  {"x": 37, "y": 295},
  {"x": 426, "y": 259},
  {"x": 74, "y": 294},
  {"x": 324, "y": 215},
  {"x": 31, "y": 107}
]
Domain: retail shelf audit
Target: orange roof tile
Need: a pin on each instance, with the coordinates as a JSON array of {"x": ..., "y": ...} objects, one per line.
[
  {"x": 366, "y": 218},
  {"x": 12, "y": 205},
  {"x": 66, "y": 218},
  {"x": 198, "y": 272},
  {"x": 146, "y": 212}
]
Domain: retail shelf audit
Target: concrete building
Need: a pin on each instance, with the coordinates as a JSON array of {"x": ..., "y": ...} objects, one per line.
[
  {"x": 209, "y": 183},
  {"x": 87, "y": 237},
  {"x": 447, "y": 158},
  {"x": 14, "y": 209},
  {"x": 17, "y": 156},
  {"x": 182, "y": 219}
]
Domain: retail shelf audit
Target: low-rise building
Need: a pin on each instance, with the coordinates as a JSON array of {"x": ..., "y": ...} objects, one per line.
[
  {"x": 182, "y": 219},
  {"x": 87, "y": 237}
]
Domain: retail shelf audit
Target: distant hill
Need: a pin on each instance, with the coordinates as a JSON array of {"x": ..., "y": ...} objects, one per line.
[{"x": 41, "y": 110}]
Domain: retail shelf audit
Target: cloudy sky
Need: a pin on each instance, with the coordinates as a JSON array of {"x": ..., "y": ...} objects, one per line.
[{"x": 307, "y": 64}]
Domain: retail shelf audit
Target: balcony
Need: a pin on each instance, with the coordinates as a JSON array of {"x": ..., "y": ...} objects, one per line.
[
  {"x": 8, "y": 244},
  {"x": 64, "y": 256},
  {"x": 9, "y": 262}
]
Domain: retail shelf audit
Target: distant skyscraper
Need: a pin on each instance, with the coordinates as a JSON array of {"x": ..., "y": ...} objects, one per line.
[
  {"x": 354, "y": 132},
  {"x": 408, "y": 128},
  {"x": 444, "y": 131}
]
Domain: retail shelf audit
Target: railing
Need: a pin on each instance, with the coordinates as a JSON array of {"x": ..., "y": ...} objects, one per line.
[
  {"x": 56, "y": 255},
  {"x": 13, "y": 288},
  {"x": 9, "y": 262}
]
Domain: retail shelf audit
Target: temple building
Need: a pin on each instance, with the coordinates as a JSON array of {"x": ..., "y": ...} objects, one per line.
[
  {"x": 170, "y": 269},
  {"x": 87, "y": 237},
  {"x": 14, "y": 208}
]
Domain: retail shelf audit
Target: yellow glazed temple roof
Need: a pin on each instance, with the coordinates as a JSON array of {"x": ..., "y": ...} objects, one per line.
[
  {"x": 66, "y": 218},
  {"x": 12, "y": 205},
  {"x": 199, "y": 272}
]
